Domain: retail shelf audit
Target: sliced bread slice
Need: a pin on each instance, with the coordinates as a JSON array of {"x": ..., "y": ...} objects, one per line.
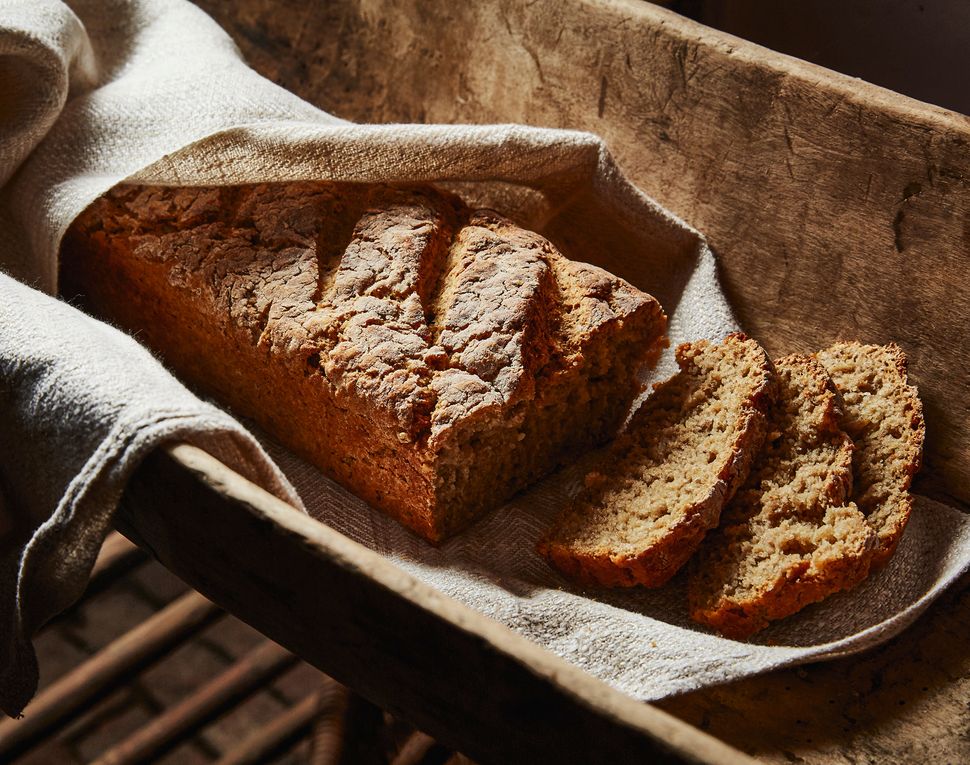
[
  {"x": 665, "y": 480},
  {"x": 884, "y": 417},
  {"x": 790, "y": 537}
]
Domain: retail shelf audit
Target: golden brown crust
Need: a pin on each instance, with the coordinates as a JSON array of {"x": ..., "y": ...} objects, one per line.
[
  {"x": 391, "y": 336},
  {"x": 790, "y": 537},
  {"x": 884, "y": 416},
  {"x": 666, "y": 479}
]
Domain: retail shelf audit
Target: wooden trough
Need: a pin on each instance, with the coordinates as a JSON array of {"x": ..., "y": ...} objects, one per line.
[{"x": 836, "y": 208}]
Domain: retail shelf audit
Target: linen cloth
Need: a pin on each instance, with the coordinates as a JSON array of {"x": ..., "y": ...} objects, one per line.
[{"x": 93, "y": 93}]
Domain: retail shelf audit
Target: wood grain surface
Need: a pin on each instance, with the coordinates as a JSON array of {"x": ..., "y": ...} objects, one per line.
[
  {"x": 905, "y": 702},
  {"x": 399, "y": 643},
  {"x": 837, "y": 209}
]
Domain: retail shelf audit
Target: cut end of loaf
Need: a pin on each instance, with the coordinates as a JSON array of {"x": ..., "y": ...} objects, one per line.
[
  {"x": 515, "y": 447},
  {"x": 665, "y": 480}
]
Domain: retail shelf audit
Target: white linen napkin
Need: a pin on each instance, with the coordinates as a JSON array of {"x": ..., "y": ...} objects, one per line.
[
  {"x": 153, "y": 91},
  {"x": 81, "y": 403}
]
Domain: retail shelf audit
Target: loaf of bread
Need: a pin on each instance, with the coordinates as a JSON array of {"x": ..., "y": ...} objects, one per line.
[
  {"x": 791, "y": 536},
  {"x": 432, "y": 358},
  {"x": 665, "y": 480},
  {"x": 884, "y": 417}
]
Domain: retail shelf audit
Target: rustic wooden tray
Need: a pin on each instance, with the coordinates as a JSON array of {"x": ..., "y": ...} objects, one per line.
[{"x": 836, "y": 207}]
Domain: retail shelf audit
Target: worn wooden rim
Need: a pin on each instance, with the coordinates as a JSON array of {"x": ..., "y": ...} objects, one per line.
[{"x": 600, "y": 698}]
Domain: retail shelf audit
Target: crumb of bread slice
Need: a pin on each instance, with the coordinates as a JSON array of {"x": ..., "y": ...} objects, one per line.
[
  {"x": 884, "y": 416},
  {"x": 665, "y": 480},
  {"x": 790, "y": 536}
]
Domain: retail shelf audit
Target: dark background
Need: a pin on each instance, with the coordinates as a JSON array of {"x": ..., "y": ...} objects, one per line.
[{"x": 921, "y": 49}]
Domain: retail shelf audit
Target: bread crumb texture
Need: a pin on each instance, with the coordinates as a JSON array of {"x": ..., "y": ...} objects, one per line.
[
  {"x": 884, "y": 417},
  {"x": 791, "y": 536},
  {"x": 666, "y": 479}
]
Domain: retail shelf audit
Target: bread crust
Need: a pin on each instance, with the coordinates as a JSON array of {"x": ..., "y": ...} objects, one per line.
[
  {"x": 410, "y": 347},
  {"x": 654, "y": 563}
]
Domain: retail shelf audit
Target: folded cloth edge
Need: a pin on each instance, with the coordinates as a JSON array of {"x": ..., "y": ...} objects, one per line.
[{"x": 84, "y": 517}]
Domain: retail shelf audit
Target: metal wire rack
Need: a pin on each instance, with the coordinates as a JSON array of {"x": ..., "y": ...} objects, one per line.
[{"x": 144, "y": 669}]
